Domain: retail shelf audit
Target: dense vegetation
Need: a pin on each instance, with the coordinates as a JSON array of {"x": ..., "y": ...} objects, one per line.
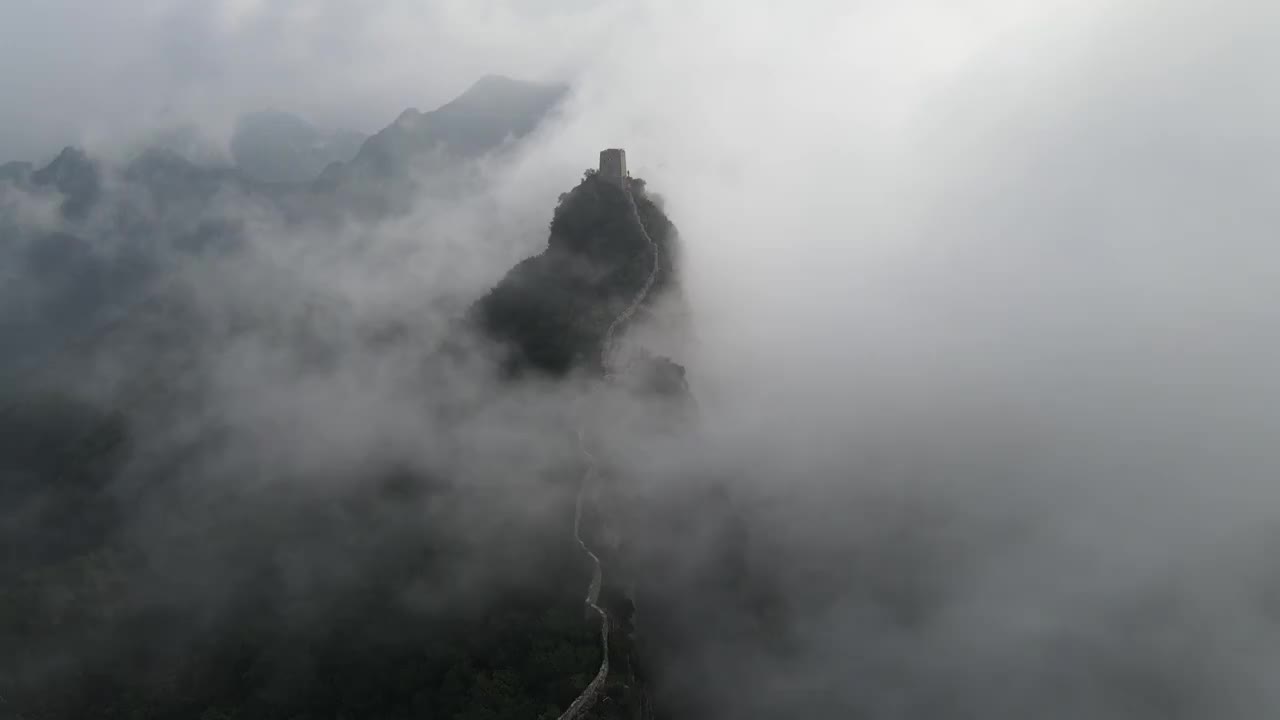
[
  {"x": 551, "y": 310},
  {"x": 96, "y": 622}
]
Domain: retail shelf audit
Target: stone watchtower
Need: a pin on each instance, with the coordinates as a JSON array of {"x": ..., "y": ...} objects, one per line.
[{"x": 613, "y": 166}]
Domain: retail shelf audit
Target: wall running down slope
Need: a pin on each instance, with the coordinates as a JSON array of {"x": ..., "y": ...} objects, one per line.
[{"x": 591, "y": 693}]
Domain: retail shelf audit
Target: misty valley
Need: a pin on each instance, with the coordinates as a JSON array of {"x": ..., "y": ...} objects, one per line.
[
  {"x": 742, "y": 360},
  {"x": 163, "y": 560}
]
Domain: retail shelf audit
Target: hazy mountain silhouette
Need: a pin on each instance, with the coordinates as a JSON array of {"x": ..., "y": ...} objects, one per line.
[
  {"x": 128, "y": 639},
  {"x": 492, "y": 111},
  {"x": 282, "y": 147},
  {"x": 163, "y": 199}
]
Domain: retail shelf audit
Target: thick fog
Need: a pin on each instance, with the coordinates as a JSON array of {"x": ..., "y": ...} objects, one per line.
[
  {"x": 982, "y": 311},
  {"x": 986, "y": 319},
  {"x": 987, "y": 311}
]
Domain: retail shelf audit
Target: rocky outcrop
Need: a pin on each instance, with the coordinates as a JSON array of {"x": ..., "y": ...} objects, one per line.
[{"x": 551, "y": 312}]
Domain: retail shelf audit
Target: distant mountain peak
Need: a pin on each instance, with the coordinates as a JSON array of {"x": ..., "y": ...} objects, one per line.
[
  {"x": 494, "y": 78},
  {"x": 498, "y": 83},
  {"x": 492, "y": 112},
  {"x": 497, "y": 92},
  {"x": 71, "y": 160},
  {"x": 76, "y": 176},
  {"x": 409, "y": 117}
]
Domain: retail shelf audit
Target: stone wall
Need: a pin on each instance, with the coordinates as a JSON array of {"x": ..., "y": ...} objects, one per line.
[{"x": 613, "y": 165}]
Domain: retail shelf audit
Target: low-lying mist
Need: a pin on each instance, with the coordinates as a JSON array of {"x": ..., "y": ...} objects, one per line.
[{"x": 980, "y": 320}]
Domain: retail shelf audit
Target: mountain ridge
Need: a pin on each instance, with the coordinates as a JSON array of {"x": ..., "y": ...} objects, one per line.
[
  {"x": 551, "y": 311},
  {"x": 491, "y": 111}
]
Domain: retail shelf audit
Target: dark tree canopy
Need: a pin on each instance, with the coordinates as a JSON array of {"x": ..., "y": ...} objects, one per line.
[{"x": 551, "y": 310}]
